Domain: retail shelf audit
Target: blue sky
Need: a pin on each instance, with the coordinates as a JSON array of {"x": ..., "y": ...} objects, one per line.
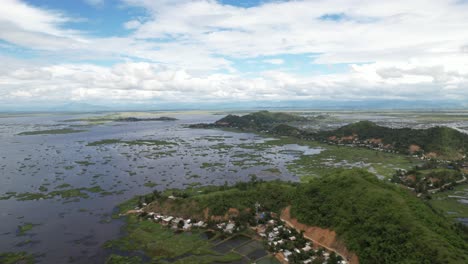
[
  {"x": 101, "y": 18},
  {"x": 207, "y": 51}
]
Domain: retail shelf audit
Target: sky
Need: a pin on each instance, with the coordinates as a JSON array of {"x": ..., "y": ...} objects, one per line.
[{"x": 176, "y": 52}]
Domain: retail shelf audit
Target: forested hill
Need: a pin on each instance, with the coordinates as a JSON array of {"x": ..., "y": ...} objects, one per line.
[
  {"x": 434, "y": 142},
  {"x": 379, "y": 221},
  {"x": 259, "y": 120},
  {"x": 382, "y": 223}
]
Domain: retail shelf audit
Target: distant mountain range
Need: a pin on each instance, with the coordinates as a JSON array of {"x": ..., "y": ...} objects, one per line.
[{"x": 238, "y": 105}]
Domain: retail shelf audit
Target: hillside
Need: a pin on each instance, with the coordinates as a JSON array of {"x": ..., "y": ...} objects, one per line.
[
  {"x": 442, "y": 142},
  {"x": 259, "y": 120},
  {"x": 436, "y": 142},
  {"x": 380, "y": 222}
]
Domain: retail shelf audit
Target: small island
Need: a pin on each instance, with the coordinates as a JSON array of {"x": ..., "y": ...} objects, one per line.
[{"x": 135, "y": 119}]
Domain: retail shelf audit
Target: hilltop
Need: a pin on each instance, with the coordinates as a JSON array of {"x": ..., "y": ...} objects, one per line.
[
  {"x": 382, "y": 223},
  {"x": 258, "y": 121}
]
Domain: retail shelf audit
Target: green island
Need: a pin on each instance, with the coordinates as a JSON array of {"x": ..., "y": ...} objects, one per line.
[
  {"x": 51, "y": 132},
  {"x": 121, "y": 117}
]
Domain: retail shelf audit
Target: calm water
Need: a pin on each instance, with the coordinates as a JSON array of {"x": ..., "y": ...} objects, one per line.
[{"x": 73, "y": 231}]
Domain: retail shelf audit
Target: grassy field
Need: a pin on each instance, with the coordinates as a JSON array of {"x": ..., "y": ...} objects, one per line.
[
  {"x": 451, "y": 206},
  {"x": 163, "y": 245},
  {"x": 334, "y": 157}
]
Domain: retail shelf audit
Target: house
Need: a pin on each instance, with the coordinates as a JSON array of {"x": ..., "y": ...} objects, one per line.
[
  {"x": 307, "y": 248},
  {"x": 230, "y": 228},
  {"x": 200, "y": 224},
  {"x": 187, "y": 226},
  {"x": 167, "y": 220}
]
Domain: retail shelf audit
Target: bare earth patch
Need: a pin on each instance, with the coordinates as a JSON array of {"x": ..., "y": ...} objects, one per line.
[
  {"x": 324, "y": 237},
  {"x": 414, "y": 148}
]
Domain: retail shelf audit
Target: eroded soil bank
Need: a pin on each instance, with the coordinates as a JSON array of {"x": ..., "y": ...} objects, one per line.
[{"x": 323, "y": 237}]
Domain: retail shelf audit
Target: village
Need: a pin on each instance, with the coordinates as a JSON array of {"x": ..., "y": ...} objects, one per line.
[{"x": 285, "y": 243}]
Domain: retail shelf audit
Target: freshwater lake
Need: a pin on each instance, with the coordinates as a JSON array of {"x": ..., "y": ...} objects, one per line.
[{"x": 73, "y": 230}]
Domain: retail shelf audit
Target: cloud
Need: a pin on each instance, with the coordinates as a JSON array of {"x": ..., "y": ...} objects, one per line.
[
  {"x": 35, "y": 28},
  {"x": 394, "y": 49},
  {"x": 129, "y": 82},
  {"x": 132, "y": 24}
]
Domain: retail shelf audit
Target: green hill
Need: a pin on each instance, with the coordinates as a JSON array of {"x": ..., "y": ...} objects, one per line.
[
  {"x": 436, "y": 142},
  {"x": 259, "y": 120},
  {"x": 382, "y": 223},
  {"x": 442, "y": 142},
  {"x": 379, "y": 221}
]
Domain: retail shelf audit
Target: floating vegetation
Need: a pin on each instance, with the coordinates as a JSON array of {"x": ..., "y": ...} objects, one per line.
[
  {"x": 16, "y": 258},
  {"x": 150, "y": 184},
  {"x": 51, "y": 132},
  {"x": 211, "y": 165},
  {"x": 61, "y": 186},
  {"x": 116, "y": 259},
  {"x": 85, "y": 163},
  {"x": 193, "y": 176},
  {"x": 132, "y": 142},
  {"x": 22, "y": 229},
  {"x": 64, "y": 194},
  {"x": 272, "y": 170}
]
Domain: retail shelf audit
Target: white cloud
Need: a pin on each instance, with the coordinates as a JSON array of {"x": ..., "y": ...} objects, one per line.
[
  {"x": 132, "y": 24},
  {"x": 398, "y": 49},
  {"x": 146, "y": 81}
]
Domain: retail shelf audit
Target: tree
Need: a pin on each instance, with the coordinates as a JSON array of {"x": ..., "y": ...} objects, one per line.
[{"x": 180, "y": 224}]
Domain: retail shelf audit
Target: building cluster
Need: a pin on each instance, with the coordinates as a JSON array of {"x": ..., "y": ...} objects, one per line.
[
  {"x": 356, "y": 142},
  {"x": 186, "y": 224},
  {"x": 286, "y": 243},
  {"x": 293, "y": 247},
  {"x": 176, "y": 223}
]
